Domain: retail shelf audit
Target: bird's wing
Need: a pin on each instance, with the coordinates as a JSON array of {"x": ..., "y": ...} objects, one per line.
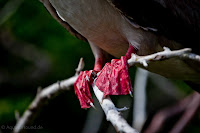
[
  {"x": 53, "y": 12},
  {"x": 178, "y": 20}
]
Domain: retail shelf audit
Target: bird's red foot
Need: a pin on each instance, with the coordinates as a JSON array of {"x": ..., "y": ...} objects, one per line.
[
  {"x": 82, "y": 90},
  {"x": 112, "y": 80}
]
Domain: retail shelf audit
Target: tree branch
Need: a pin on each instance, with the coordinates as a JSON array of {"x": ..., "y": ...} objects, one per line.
[
  {"x": 112, "y": 113},
  {"x": 166, "y": 54}
]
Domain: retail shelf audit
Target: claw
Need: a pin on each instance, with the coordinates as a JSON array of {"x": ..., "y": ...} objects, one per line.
[
  {"x": 92, "y": 105},
  {"x": 131, "y": 94}
]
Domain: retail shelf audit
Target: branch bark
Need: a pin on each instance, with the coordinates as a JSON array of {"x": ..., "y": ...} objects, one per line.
[{"x": 166, "y": 54}]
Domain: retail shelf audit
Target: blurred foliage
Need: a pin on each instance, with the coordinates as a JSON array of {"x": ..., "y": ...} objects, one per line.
[
  {"x": 32, "y": 25},
  {"x": 9, "y": 105},
  {"x": 37, "y": 51}
]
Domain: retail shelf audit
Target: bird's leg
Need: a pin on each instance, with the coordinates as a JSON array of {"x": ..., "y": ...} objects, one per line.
[
  {"x": 99, "y": 59},
  {"x": 131, "y": 50}
]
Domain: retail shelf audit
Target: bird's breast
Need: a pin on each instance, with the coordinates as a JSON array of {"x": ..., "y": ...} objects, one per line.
[
  {"x": 105, "y": 27},
  {"x": 102, "y": 25}
]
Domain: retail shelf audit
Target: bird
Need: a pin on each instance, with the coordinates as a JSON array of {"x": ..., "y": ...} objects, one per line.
[{"x": 113, "y": 27}]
